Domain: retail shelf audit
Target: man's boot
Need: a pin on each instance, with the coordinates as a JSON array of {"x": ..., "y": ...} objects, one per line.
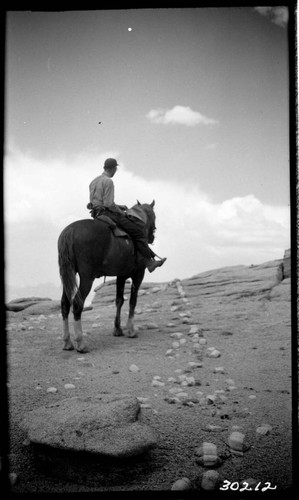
[{"x": 152, "y": 264}]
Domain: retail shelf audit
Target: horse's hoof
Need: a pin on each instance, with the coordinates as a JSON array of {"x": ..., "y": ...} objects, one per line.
[
  {"x": 83, "y": 349},
  {"x": 117, "y": 332},
  {"x": 68, "y": 347},
  {"x": 132, "y": 335}
]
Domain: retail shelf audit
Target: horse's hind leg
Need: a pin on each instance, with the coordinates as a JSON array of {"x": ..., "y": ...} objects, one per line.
[
  {"x": 136, "y": 282},
  {"x": 78, "y": 304},
  {"x": 65, "y": 309},
  {"x": 120, "y": 286}
]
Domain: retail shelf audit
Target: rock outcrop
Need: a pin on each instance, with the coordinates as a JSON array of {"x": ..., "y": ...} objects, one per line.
[
  {"x": 106, "y": 425},
  {"x": 17, "y": 305},
  {"x": 227, "y": 283}
]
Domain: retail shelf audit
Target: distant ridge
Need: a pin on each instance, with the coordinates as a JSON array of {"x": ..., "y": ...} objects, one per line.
[{"x": 48, "y": 290}]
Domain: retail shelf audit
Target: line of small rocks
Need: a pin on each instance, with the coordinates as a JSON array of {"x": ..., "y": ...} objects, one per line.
[{"x": 207, "y": 455}]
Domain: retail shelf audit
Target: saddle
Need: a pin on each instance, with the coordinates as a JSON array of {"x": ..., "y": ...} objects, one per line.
[{"x": 117, "y": 231}]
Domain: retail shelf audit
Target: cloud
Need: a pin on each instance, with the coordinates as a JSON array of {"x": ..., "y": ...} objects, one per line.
[
  {"x": 278, "y": 15},
  {"x": 182, "y": 115},
  {"x": 195, "y": 233}
]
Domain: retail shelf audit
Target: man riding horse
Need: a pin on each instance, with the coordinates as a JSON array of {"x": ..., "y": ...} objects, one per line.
[{"x": 101, "y": 195}]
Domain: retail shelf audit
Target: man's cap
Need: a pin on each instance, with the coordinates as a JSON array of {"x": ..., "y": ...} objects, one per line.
[{"x": 110, "y": 163}]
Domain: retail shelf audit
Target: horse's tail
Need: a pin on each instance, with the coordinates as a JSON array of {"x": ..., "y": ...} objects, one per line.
[{"x": 67, "y": 263}]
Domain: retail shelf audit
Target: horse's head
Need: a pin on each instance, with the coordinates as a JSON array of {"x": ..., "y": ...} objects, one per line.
[{"x": 148, "y": 209}]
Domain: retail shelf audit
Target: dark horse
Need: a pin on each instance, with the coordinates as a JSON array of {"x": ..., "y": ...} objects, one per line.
[{"x": 89, "y": 248}]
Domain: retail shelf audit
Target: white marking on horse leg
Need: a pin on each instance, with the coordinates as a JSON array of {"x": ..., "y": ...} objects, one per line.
[
  {"x": 130, "y": 326},
  {"x": 67, "y": 346},
  {"x": 81, "y": 347}
]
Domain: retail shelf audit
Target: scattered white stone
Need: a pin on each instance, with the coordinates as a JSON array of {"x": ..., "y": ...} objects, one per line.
[
  {"x": 69, "y": 386},
  {"x": 252, "y": 396},
  {"x": 178, "y": 370},
  {"x": 52, "y": 390},
  {"x": 210, "y": 480},
  {"x": 81, "y": 359},
  {"x": 214, "y": 354},
  {"x": 196, "y": 347},
  {"x": 177, "y": 335},
  {"x": 194, "y": 329},
  {"x": 174, "y": 390},
  {"x": 190, "y": 380},
  {"x": 206, "y": 455},
  {"x": 172, "y": 400},
  {"x": 264, "y": 429},
  {"x": 156, "y": 289},
  {"x": 41, "y": 317},
  {"x": 186, "y": 314},
  {"x": 182, "y": 395},
  {"x": 13, "y": 478},
  {"x": 219, "y": 369},
  {"x": 157, "y": 377},
  {"x": 212, "y": 399},
  {"x": 174, "y": 308},
  {"x": 95, "y": 325},
  {"x": 182, "y": 341},
  {"x": 169, "y": 352},
  {"x": 171, "y": 379},
  {"x": 134, "y": 368},
  {"x": 194, "y": 364},
  {"x": 38, "y": 388},
  {"x": 170, "y": 325},
  {"x": 202, "y": 341},
  {"x": 199, "y": 394},
  {"x": 157, "y": 383},
  {"x": 236, "y": 442},
  {"x": 175, "y": 345}
]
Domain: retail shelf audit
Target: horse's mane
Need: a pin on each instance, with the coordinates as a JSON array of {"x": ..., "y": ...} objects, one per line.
[{"x": 150, "y": 215}]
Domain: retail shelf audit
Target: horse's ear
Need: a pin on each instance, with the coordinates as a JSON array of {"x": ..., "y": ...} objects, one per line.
[
  {"x": 153, "y": 203},
  {"x": 138, "y": 202}
]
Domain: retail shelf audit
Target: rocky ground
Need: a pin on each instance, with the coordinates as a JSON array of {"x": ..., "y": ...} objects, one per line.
[{"x": 212, "y": 358}]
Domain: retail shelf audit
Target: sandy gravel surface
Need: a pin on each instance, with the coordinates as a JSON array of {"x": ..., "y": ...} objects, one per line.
[{"x": 253, "y": 337}]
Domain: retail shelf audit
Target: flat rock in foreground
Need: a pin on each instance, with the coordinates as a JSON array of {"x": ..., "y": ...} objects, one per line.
[{"x": 105, "y": 425}]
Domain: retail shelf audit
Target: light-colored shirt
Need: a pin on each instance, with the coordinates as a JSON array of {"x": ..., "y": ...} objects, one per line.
[{"x": 101, "y": 191}]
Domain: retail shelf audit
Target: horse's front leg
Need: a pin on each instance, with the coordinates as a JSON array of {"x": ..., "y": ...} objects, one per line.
[
  {"x": 136, "y": 282},
  {"x": 120, "y": 286}
]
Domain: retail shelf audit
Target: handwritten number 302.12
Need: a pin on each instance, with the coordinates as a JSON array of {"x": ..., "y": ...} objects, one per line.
[{"x": 228, "y": 485}]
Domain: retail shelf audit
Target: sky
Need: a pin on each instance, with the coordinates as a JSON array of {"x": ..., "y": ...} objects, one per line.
[{"x": 193, "y": 103}]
